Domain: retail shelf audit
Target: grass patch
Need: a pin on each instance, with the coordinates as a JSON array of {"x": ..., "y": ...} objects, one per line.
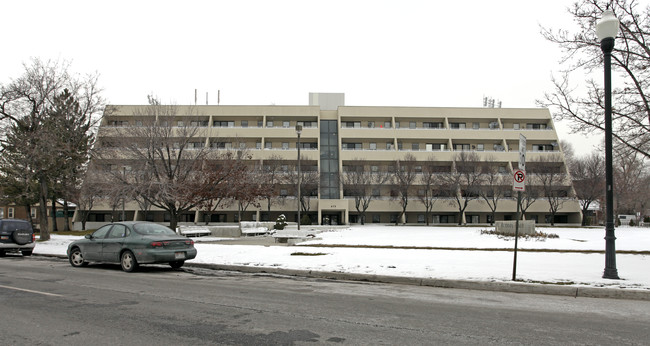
[
  {"x": 537, "y": 235},
  {"x": 308, "y": 254}
]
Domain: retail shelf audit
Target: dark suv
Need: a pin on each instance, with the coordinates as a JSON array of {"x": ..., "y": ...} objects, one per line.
[{"x": 16, "y": 235}]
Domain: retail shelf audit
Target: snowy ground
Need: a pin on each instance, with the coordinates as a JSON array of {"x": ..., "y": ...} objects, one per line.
[{"x": 551, "y": 267}]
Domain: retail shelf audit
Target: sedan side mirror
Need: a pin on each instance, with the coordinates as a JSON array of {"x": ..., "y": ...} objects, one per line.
[{"x": 89, "y": 236}]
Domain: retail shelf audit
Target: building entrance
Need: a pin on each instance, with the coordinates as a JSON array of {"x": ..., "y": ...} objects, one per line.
[{"x": 331, "y": 219}]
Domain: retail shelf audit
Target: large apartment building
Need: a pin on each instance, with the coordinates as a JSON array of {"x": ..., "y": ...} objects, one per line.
[{"x": 335, "y": 137}]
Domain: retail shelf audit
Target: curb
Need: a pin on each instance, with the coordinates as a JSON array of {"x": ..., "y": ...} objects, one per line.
[{"x": 510, "y": 287}]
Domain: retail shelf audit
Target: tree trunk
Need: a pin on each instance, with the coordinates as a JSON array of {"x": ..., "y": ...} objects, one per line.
[
  {"x": 55, "y": 227},
  {"x": 42, "y": 210},
  {"x": 66, "y": 226},
  {"x": 173, "y": 219}
]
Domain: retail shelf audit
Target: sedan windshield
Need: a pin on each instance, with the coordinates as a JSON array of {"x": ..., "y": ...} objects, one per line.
[{"x": 152, "y": 228}]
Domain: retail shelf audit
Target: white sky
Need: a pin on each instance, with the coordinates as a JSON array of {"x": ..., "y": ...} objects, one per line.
[{"x": 379, "y": 53}]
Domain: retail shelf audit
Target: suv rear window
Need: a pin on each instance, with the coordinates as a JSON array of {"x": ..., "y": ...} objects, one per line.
[{"x": 16, "y": 226}]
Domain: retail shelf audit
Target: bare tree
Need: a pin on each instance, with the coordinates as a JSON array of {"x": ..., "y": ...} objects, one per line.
[
  {"x": 28, "y": 102},
  {"x": 588, "y": 175},
  {"x": 464, "y": 181},
  {"x": 528, "y": 198},
  {"x": 494, "y": 186},
  {"x": 431, "y": 181},
  {"x": 87, "y": 194},
  {"x": 271, "y": 178},
  {"x": 166, "y": 154},
  {"x": 361, "y": 181},
  {"x": 404, "y": 177},
  {"x": 551, "y": 173},
  {"x": 629, "y": 174},
  {"x": 309, "y": 180},
  {"x": 630, "y": 58}
]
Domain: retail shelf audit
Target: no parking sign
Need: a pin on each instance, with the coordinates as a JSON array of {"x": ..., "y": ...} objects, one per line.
[{"x": 519, "y": 180}]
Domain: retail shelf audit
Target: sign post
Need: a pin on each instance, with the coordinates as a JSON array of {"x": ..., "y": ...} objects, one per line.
[{"x": 519, "y": 185}]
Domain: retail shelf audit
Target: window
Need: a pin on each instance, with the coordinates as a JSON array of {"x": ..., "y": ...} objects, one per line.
[
  {"x": 244, "y": 123},
  {"x": 371, "y": 124},
  {"x": 476, "y": 126},
  {"x": 461, "y": 146},
  {"x": 180, "y": 123},
  {"x": 387, "y": 124},
  {"x": 268, "y": 145},
  {"x": 374, "y": 168},
  {"x": 397, "y": 124},
  {"x": 352, "y": 146},
  {"x": 242, "y": 145},
  {"x": 284, "y": 168},
  {"x": 258, "y": 145},
  {"x": 430, "y": 125},
  {"x": 457, "y": 125},
  {"x": 515, "y": 126},
  {"x": 376, "y": 218},
  {"x": 399, "y": 146},
  {"x": 536, "y": 126},
  {"x": 118, "y": 231},
  {"x": 412, "y": 125},
  {"x": 285, "y": 145},
  {"x": 32, "y": 211},
  {"x": 138, "y": 123},
  {"x": 415, "y": 146},
  {"x": 196, "y": 145},
  {"x": 269, "y": 123},
  {"x": 285, "y": 124},
  {"x": 101, "y": 232},
  {"x": 418, "y": 169},
  {"x": 389, "y": 146},
  {"x": 283, "y": 193},
  {"x": 493, "y": 125},
  {"x": 373, "y": 146},
  {"x": 260, "y": 123},
  {"x": 375, "y": 192},
  {"x": 218, "y": 123},
  {"x": 352, "y": 124},
  {"x": 118, "y": 123},
  {"x": 480, "y": 147},
  {"x": 421, "y": 218},
  {"x": 10, "y": 213},
  {"x": 199, "y": 123}
]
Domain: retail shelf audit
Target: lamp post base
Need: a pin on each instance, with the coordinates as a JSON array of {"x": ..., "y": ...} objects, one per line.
[{"x": 611, "y": 273}]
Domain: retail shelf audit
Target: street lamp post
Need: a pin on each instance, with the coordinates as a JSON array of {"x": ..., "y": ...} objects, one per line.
[
  {"x": 298, "y": 131},
  {"x": 606, "y": 30}
]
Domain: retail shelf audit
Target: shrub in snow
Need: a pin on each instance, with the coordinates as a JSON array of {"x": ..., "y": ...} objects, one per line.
[
  {"x": 280, "y": 222},
  {"x": 305, "y": 220}
]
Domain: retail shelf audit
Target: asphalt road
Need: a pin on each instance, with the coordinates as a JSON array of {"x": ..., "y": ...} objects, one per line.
[{"x": 44, "y": 301}]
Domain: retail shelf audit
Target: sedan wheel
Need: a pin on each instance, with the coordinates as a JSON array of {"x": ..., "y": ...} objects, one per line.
[
  {"x": 128, "y": 261},
  {"x": 176, "y": 264},
  {"x": 76, "y": 258}
]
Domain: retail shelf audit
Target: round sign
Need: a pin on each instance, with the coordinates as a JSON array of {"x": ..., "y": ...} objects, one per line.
[{"x": 520, "y": 176}]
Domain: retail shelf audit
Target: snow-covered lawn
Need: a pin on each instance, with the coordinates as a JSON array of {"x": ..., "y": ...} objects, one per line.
[{"x": 578, "y": 268}]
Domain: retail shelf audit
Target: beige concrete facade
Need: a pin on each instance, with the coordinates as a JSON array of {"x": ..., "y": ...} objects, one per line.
[{"x": 380, "y": 135}]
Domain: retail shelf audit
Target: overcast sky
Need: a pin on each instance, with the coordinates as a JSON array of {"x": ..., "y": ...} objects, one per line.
[{"x": 379, "y": 53}]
